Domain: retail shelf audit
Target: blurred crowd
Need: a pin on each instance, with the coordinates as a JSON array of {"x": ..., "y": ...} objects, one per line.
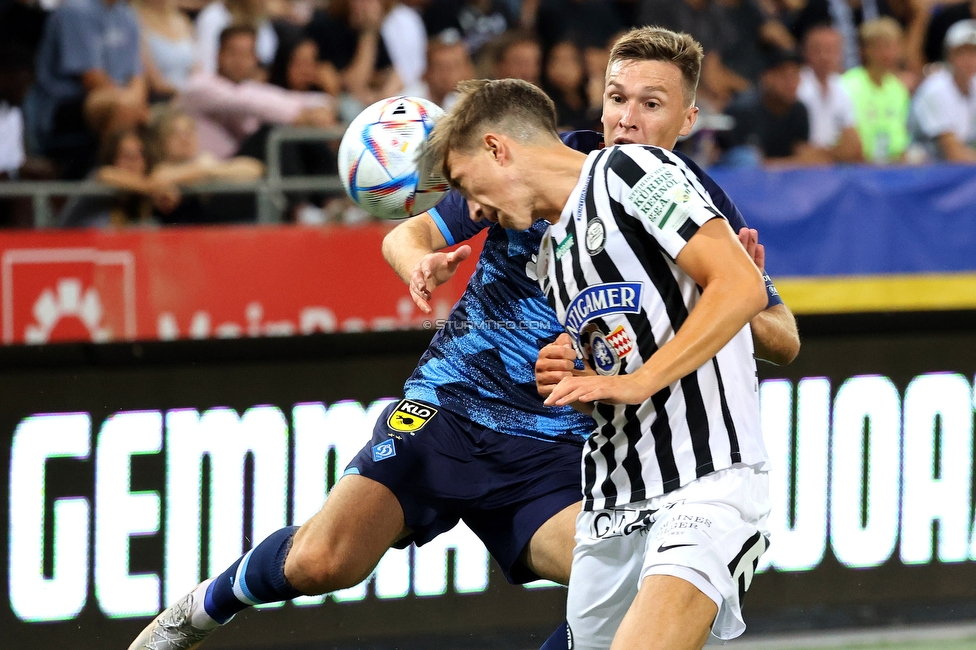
[{"x": 151, "y": 96}]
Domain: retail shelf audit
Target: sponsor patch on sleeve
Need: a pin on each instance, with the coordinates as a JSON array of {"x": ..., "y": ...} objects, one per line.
[
  {"x": 410, "y": 416},
  {"x": 663, "y": 198}
]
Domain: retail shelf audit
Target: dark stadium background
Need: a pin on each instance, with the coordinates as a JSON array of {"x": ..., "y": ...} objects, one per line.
[{"x": 103, "y": 379}]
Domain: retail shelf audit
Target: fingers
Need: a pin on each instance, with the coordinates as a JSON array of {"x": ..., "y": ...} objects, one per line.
[
  {"x": 554, "y": 364},
  {"x": 575, "y": 389},
  {"x": 760, "y": 257},
  {"x": 749, "y": 238},
  {"x": 419, "y": 291},
  {"x": 566, "y": 355},
  {"x": 456, "y": 257}
]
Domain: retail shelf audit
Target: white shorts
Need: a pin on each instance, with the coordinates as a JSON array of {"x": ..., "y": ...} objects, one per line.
[{"x": 711, "y": 533}]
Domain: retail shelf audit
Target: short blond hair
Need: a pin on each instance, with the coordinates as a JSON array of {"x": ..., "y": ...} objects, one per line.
[
  {"x": 883, "y": 27},
  {"x": 513, "y": 107},
  {"x": 660, "y": 44}
]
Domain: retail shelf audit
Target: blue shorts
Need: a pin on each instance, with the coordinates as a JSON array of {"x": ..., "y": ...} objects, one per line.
[{"x": 444, "y": 468}]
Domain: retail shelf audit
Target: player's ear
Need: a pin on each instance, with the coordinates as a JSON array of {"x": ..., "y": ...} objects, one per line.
[
  {"x": 691, "y": 116},
  {"x": 496, "y": 147}
]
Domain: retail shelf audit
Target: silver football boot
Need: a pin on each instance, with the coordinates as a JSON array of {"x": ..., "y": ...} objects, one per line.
[{"x": 172, "y": 629}]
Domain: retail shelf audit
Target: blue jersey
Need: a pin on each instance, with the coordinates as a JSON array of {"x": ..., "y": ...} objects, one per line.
[{"x": 481, "y": 364}]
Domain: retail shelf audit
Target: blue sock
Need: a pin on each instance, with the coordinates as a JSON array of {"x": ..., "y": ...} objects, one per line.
[
  {"x": 256, "y": 578},
  {"x": 559, "y": 639}
]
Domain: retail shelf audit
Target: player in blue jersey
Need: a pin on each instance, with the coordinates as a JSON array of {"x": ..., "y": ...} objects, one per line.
[{"x": 472, "y": 440}]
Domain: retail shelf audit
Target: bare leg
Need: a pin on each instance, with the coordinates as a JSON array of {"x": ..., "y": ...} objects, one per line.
[
  {"x": 341, "y": 545},
  {"x": 668, "y": 614},
  {"x": 550, "y": 551}
]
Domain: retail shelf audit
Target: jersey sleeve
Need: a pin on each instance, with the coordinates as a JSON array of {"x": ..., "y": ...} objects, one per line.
[
  {"x": 724, "y": 204},
  {"x": 452, "y": 219},
  {"x": 658, "y": 190}
]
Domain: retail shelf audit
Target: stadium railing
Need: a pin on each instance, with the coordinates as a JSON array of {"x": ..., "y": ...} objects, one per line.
[{"x": 270, "y": 190}]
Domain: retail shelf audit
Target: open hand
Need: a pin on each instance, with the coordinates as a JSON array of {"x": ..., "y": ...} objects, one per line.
[{"x": 433, "y": 270}]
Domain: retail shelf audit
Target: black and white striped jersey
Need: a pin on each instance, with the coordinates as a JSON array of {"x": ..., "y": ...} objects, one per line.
[{"x": 607, "y": 268}]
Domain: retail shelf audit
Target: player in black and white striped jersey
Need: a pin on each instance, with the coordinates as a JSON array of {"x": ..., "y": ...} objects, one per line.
[
  {"x": 656, "y": 294},
  {"x": 617, "y": 289}
]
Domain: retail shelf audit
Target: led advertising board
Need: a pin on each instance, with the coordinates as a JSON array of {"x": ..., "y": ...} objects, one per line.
[{"x": 133, "y": 472}]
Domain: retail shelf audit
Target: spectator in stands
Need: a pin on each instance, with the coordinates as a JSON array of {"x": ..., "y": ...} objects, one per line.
[
  {"x": 476, "y": 22},
  {"x": 913, "y": 17},
  {"x": 706, "y": 22},
  {"x": 565, "y": 83},
  {"x": 516, "y": 55},
  {"x": 785, "y": 12},
  {"x": 880, "y": 98},
  {"x": 942, "y": 18},
  {"x": 448, "y": 64},
  {"x": 405, "y": 38},
  {"x": 595, "y": 60},
  {"x": 177, "y": 160},
  {"x": 296, "y": 68},
  {"x": 588, "y": 23},
  {"x": 230, "y": 108},
  {"x": 349, "y": 40},
  {"x": 748, "y": 30},
  {"x": 168, "y": 48},
  {"x": 221, "y": 14},
  {"x": 771, "y": 125},
  {"x": 846, "y": 16},
  {"x": 176, "y": 155},
  {"x": 829, "y": 107},
  {"x": 89, "y": 79},
  {"x": 16, "y": 77},
  {"x": 123, "y": 167},
  {"x": 944, "y": 108}
]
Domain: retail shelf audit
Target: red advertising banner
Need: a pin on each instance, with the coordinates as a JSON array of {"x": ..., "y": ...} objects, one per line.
[{"x": 198, "y": 283}]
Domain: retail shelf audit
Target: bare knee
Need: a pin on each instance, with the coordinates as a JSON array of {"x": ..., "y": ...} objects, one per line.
[{"x": 341, "y": 545}]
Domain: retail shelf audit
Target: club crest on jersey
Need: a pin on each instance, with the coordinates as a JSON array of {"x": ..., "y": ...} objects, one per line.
[
  {"x": 410, "y": 417},
  {"x": 384, "y": 450},
  {"x": 602, "y": 300},
  {"x": 596, "y": 236},
  {"x": 605, "y": 359}
]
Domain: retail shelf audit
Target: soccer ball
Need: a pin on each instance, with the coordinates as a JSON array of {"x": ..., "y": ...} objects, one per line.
[{"x": 380, "y": 160}]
